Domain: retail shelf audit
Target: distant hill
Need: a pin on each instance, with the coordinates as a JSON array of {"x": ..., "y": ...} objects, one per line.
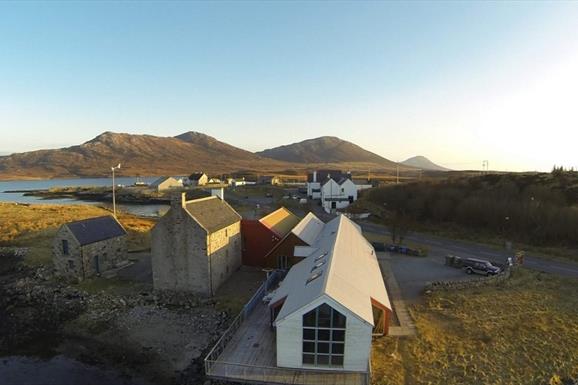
[
  {"x": 139, "y": 155},
  {"x": 423, "y": 163},
  {"x": 326, "y": 149}
]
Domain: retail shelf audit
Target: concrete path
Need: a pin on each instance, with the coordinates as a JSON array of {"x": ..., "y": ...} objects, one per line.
[{"x": 406, "y": 326}]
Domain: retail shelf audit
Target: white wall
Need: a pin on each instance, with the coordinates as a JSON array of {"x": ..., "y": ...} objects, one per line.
[{"x": 357, "y": 338}]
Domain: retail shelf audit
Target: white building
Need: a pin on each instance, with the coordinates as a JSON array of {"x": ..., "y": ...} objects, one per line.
[
  {"x": 198, "y": 179},
  {"x": 317, "y": 178},
  {"x": 330, "y": 304},
  {"x": 338, "y": 194}
]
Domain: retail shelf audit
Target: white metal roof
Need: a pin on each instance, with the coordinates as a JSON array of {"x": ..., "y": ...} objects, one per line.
[
  {"x": 350, "y": 273},
  {"x": 308, "y": 228}
]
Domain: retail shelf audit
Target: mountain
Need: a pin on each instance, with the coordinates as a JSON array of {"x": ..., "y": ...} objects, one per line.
[
  {"x": 327, "y": 149},
  {"x": 138, "y": 155},
  {"x": 423, "y": 163}
]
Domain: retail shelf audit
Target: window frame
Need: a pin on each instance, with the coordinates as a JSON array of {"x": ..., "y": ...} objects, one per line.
[{"x": 319, "y": 349}]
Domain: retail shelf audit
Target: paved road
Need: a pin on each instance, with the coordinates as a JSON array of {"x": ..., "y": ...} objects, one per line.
[{"x": 442, "y": 246}]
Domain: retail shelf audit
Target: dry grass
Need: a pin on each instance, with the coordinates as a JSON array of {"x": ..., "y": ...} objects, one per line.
[
  {"x": 523, "y": 332},
  {"x": 34, "y": 227}
]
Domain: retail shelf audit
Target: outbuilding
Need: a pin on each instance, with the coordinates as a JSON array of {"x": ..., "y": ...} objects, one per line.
[
  {"x": 89, "y": 247},
  {"x": 166, "y": 183}
]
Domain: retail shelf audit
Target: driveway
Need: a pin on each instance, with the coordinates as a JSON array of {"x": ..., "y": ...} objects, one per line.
[{"x": 413, "y": 273}]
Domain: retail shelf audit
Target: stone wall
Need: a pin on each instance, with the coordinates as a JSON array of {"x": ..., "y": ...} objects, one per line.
[
  {"x": 81, "y": 261},
  {"x": 469, "y": 283},
  {"x": 224, "y": 249},
  {"x": 179, "y": 254}
]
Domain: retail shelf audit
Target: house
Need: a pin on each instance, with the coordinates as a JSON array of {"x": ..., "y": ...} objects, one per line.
[
  {"x": 89, "y": 247},
  {"x": 316, "y": 179},
  {"x": 214, "y": 181},
  {"x": 331, "y": 304},
  {"x": 166, "y": 183},
  {"x": 338, "y": 193},
  {"x": 283, "y": 254},
  {"x": 261, "y": 235},
  {"x": 196, "y": 245},
  {"x": 198, "y": 179}
]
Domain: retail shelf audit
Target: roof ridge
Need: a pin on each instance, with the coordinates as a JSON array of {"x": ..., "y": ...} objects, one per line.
[
  {"x": 91, "y": 218},
  {"x": 331, "y": 254}
]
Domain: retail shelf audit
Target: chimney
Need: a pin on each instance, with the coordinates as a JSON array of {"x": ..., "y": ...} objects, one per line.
[
  {"x": 178, "y": 200},
  {"x": 314, "y": 176},
  {"x": 218, "y": 192}
]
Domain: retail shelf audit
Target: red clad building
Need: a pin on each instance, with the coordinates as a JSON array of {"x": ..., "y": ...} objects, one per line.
[{"x": 261, "y": 235}]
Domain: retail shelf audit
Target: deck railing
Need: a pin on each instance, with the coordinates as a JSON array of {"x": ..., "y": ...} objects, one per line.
[
  {"x": 269, "y": 374},
  {"x": 273, "y": 278},
  {"x": 278, "y": 375}
]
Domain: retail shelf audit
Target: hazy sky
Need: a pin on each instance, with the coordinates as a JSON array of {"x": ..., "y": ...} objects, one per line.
[{"x": 458, "y": 82}]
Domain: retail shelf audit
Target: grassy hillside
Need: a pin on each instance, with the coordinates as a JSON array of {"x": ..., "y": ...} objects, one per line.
[
  {"x": 35, "y": 226},
  {"x": 522, "y": 332}
]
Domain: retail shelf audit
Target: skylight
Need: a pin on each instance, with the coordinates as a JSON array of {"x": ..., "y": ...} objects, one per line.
[
  {"x": 318, "y": 265},
  {"x": 320, "y": 256},
  {"x": 314, "y": 276}
]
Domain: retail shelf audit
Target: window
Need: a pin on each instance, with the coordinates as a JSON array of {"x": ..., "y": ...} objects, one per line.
[
  {"x": 323, "y": 337},
  {"x": 317, "y": 258},
  {"x": 318, "y": 265},
  {"x": 65, "y": 247}
]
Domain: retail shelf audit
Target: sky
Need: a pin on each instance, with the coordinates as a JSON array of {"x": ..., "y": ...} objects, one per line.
[{"x": 458, "y": 82}]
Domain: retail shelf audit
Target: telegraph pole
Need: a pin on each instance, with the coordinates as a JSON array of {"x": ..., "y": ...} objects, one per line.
[{"x": 397, "y": 173}]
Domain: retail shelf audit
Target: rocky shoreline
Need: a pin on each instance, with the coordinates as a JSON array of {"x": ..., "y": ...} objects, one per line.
[{"x": 160, "y": 337}]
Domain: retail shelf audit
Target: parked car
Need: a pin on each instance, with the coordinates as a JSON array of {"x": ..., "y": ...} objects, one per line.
[
  {"x": 269, "y": 195},
  {"x": 479, "y": 266}
]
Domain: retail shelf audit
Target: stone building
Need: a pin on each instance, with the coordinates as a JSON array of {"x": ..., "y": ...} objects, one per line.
[
  {"x": 89, "y": 247},
  {"x": 196, "y": 246}
]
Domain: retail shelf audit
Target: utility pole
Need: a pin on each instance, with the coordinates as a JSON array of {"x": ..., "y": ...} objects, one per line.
[
  {"x": 397, "y": 173},
  {"x": 113, "y": 190}
]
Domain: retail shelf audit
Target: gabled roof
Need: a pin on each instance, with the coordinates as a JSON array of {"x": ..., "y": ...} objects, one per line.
[
  {"x": 196, "y": 175},
  {"x": 280, "y": 221},
  {"x": 349, "y": 273},
  {"x": 308, "y": 228},
  {"x": 212, "y": 213},
  {"x": 96, "y": 229},
  {"x": 162, "y": 179},
  {"x": 323, "y": 175}
]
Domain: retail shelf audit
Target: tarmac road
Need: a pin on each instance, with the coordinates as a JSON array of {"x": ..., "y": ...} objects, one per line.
[{"x": 442, "y": 246}]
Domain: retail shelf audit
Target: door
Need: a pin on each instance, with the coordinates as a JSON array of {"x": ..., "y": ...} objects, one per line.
[{"x": 96, "y": 264}]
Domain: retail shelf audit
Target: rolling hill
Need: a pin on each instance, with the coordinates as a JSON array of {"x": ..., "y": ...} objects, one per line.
[
  {"x": 139, "y": 155},
  {"x": 327, "y": 150},
  {"x": 424, "y": 163}
]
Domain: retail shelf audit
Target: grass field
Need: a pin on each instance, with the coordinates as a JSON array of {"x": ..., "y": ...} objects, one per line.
[
  {"x": 522, "y": 332},
  {"x": 34, "y": 227}
]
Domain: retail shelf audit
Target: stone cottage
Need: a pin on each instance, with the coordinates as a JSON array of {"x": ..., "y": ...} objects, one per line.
[
  {"x": 89, "y": 247},
  {"x": 196, "y": 245}
]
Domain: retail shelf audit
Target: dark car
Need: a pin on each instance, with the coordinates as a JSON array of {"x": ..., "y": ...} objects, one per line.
[{"x": 479, "y": 266}]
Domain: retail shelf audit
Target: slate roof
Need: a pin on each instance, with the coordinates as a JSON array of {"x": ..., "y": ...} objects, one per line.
[
  {"x": 96, "y": 229},
  {"x": 281, "y": 221},
  {"x": 196, "y": 175},
  {"x": 160, "y": 180},
  {"x": 212, "y": 213},
  {"x": 322, "y": 175}
]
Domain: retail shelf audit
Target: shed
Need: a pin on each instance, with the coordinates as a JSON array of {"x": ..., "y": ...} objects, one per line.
[{"x": 89, "y": 247}]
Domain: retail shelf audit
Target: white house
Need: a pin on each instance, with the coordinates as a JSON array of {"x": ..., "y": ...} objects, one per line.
[
  {"x": 317, "y": 178},
  {"x": 331, "y": 303},
  {"x": 338, "y": 194}
]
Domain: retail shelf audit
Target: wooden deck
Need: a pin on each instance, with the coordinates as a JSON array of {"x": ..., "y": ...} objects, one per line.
[{"x": 250, "y": 357}]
